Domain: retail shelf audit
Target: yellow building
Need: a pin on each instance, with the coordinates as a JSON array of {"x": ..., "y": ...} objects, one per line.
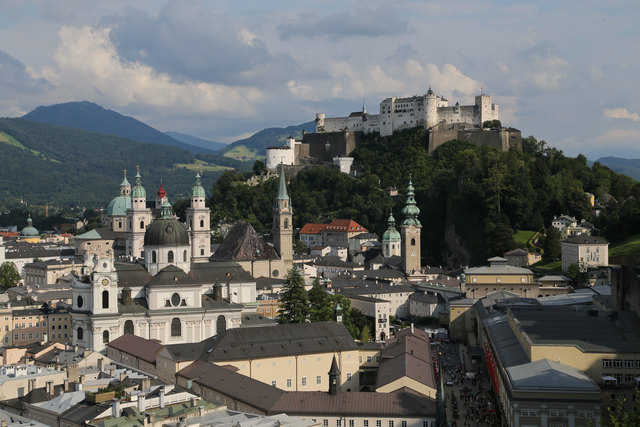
[
  {"x": 5, "y": 327},
  {"x": 481, "y": 281}
]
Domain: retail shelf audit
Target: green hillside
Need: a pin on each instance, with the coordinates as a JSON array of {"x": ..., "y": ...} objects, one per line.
[
  {"x": 471, "y": 198},
  {"x": 66, "y": 166},
  {"x": 255, "y": 147}
]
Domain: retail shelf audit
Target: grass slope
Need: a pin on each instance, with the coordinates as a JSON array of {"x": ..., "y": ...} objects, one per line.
[{"x": 629, "y": 246}]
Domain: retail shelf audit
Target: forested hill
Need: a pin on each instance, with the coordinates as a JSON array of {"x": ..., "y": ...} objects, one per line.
[
  {"x": 471, "y": 198},
  {"x": 91, "y": 117},
  {"x": 65, "y": 166}
]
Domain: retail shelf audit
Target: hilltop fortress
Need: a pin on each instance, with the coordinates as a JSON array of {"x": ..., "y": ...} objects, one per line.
[
  {"x": 336, "y": 137},
  {"x": 428, "y": 111}
]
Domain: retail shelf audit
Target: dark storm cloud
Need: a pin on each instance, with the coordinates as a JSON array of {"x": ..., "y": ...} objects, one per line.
[
  {"x": 189, "y": 43},
  {"x": 365, "y": 21},
  {"x": 14, "y": 78}
]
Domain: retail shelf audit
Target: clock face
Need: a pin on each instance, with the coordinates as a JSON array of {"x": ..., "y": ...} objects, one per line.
[{"x": 105, "y": 282}]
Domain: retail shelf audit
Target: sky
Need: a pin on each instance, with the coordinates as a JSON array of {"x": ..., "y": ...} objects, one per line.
[{"x": 566, "y": 72}]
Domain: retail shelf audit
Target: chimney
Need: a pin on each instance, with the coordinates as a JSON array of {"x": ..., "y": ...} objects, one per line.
[
  {"x": 86, "y": 352},
  {"x": 66, "y": 384},
  {"x": 217, "y": 292},
  {"x": 162, "y": 397},
  {"x": 112, "y": 372},
  {"x": 49, "y": 387},
  {"x": 32, "y": 384},
  {"x": 100, "y": 363},
  {"x": 73, "y": 372},
  {"x": 115, "y": 408},
  {"x": 81, "y": 379},
  {"x": 146, "y": 384},
  {"x": 126, "y": 296},
  {"x": 141, "y": 403},
  {"x": 45, "y": 337},
  {"x": 75, "y": 348},
  {"x": 148, "y": 419},
  {"x": 194, "y": 399},
  {"x": 412, "y": 328},
  {"x": 123, "y": 375}
]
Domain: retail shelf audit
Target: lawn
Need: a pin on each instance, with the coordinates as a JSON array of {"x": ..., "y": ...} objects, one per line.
[
  {"x": 553, "y": 265},
  {"x": 522, "y": 236},
  {"x": 628, "y": 246},
  {"x": 241, "y": 152},
  {"x": 203, "y": 166}
]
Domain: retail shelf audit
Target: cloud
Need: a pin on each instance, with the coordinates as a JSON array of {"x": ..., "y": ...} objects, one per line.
[
  {"x": 361, "y": 83},
  {"x": 89, "y": 67},
  {"x": 300, "y": 90},
  {"x": 619, "y": 135},
  {"x": 362, "y": 21},
  {"x": 447, "y": 81},
  {"x": 188, "y": 42},
  {"x": 621, "y": 113},
  {"x": 19, "y": 83}
]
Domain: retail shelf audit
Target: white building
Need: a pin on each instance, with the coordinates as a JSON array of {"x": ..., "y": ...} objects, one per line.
[
  {"x": 282, "y": 154},
  {"x": 397, "y": 113},
  {"x": 585, "y": 251}
]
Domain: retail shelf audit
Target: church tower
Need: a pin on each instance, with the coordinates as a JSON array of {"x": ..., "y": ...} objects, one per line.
[
  {"x": 411, "y": 233},
  {"x": 391, "y": 239},
  {"x": 138, "y": 218},
  {"x": 198, "y": 223},
  {"x": 283, "y": 220}
]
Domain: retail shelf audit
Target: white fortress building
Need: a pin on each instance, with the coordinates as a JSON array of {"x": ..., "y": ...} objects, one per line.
[{"x": 396, "y": 113}]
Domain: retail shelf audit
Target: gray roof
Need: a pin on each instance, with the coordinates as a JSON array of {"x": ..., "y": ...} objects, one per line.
[
  {"x": 267, "y": 341},
  {"x": 407, "y": 356},
  {"x": 505, "y": 342},
  {"x": 548, "y": 376},
  {"x": 63, "y": 402},
  {"x": 586, "y": 239},
  {"x": 243, "y": 243},
  {"x": 588, "y": 332},
  {"x": 172, "y": 276},
  {"x": 426, "y": 298},
  {"x": 166, "y": 231},
  {"x": 139, "y": 347},
  {"x": 500, "y": 269}
]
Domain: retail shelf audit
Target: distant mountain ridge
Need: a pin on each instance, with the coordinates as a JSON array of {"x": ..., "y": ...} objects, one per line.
[
  {"x": 629, "y": 167},
  {"x": 92, "y": 117},
  {"x": 198, "y": 142},
  {"x": 260, "y": 141}
]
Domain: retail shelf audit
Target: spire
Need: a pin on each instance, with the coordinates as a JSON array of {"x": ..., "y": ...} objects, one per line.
[
  {"x": 125, "y": 182},
  {"x": 161, "y": 193},
  {"x": 334, "y": 377},
  {"x": 165, "y": 210},
  {"x": 391, "y": 222},
  {"x": 410, "y": 210},
  {"x": 282, "y": 186},
  {"x": 364, "y": 107},
  {"x": 138, "y": 190},
  {"x": 198, "y": 190}
]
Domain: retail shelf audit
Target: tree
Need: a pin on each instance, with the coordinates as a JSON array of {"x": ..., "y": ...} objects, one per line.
[
  {"x": 9, "y": 276},
  {"x": 551, "y": 245},
  {"x": 321, "y": 309},
  {"x": 259, "y": 168},
  {"x": 294, "y": 302},
  {"x": 625, "y": 413},
  {"x": 579, "y": 277},
  {"x": 364, "y": 333}
]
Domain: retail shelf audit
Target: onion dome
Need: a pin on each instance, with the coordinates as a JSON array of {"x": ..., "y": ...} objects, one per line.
[
  {"x": 138, "y": 190},
  {"x": 166, "y": 230},
  {"x": 391, "y": 235},
  {"x": 29, "y": 230},
  {"x": 198, "y": 190},
  {"x": 161, "y": 193},
  {"x": 410, "y": 210}
]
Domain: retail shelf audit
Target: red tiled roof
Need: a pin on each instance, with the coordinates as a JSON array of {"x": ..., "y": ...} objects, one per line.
[
  {"x": 346, "y": 225},
  {"x": 139, "y": 347},
  {"x": 311, "y": 228}
]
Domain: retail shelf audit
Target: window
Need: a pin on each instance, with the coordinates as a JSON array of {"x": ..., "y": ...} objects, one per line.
[
  {"x": 80, "y": 333},
  {"x": 170, "y": 256},
  {"x": 176, "y": 327},
  {"x": 175, "y": 299},
  {"x": 390, "y": 423},
  {"x": 377, "y": 359},
  {"x": 24, "y": 336},
  {"x": 201, "y": 251},
  {"x": 105, "y": 337},
  {"x": 629, "y": 364},
  {"x": 318, "y": 379},
  {"x": 378, "y": 423},
  {"x": 304, "y": 381},
  {"x": 80, "y": 301},
  {"x": 128, "y": 327},
  {"x": 273, "y": 383},
  {"x": 288, "y": 382},
  {"x": 348, "y": 376},
  {"x": 404, "y": 423},
  {"x": 31, "y": 336},
  {"x": 368, "y": 359},
  {"x": 221, "y": 324},
  {"x": 201, "y": 223},
  {"x": 338, "y": 422},
  {"x": 15, "y": 337},
  {"x": 105, "y": 299},
  {"x": 606, "y": 363},
  {"x": 154, "y": 256},
  {"x": 617, "y": 363},
  {"x": 325, "y": 423},
  {"x": 141, "y": 225},
  {"x": 184, "y": 256},
  {"x": 351, "y": 423},
  {"x": 365, "y": 423},
  {"x": 413, "y": 241}
]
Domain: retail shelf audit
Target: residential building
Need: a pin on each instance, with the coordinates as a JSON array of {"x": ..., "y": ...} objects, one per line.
[{"x": 585, "y": 251}]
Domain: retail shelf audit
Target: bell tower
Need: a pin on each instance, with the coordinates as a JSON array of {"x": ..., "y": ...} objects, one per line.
[
  {"x": 411, "y": 228},
  {"x": 283, "y": 220},
  {"x": 138, "y": 218},
  {"x": 199, "y": 223}
]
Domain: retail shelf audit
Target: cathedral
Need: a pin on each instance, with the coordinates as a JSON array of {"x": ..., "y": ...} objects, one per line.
[{"x": 168, "y": 287}]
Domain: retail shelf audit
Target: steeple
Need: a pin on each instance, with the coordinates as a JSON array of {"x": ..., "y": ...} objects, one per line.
[
  {"x": 283, "y": 220},
  {"x": 391, "y": 238},
  {"x": 334, "y": 377},
  {"x": 138, "y": 190},
  {"x": 199, "y": 223},
  {"x": 198, "y": 190},
  {"x": 125, "y": 187},
  {"x": 138, "y": 218},
  {"x": 411, "y": 228}
]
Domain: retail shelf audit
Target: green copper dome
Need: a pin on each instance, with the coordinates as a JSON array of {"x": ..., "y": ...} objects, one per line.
[
  {"x": 119, "y": 206},
  {"x": 138, "y": 190},
  {"x": 166, "y": 230},
  {"x": 391, "y": 235},
  {"x": 198, "y": 190},
  {"x": 30, "y": 230},
  {"x": 410, "y": 210}
]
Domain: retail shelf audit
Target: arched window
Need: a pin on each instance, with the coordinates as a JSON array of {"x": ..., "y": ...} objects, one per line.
[
  {"x": 221, "y": 324},
  {"x": 105, "y": 299},
  {"x": 80, "y": 333},
  {"x": 128, "y": 327},
  {"x": 105, "y": 337},
  {"x": 141, "y": 225},
  {"x": 184, "y": 256},
  {"x": 286, "y": 223},
  {"x": 170, "y": 256},
  {"x": 176, "y": 327},
  {"x": 80, "y": 301},
  {"x": 413, "y": 241},
  {"x": 154, "y": 257},
  {"x": 201, "y": 223}
]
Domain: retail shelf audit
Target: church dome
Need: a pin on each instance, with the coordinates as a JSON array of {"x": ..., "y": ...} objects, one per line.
[
  {"x": 198, "y": 190},
  {"x": 119, "y": 206},
  {"x": 391, "y": 235},
  {"x": 30, "y": 230},
  {"x": 166, "y": 230}
]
